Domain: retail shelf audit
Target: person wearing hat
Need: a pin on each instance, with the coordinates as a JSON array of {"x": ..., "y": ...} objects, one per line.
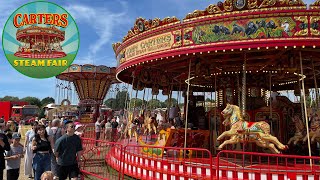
[
  {"x": 79, "y": 130},
  {"x": 68, "y": 150},
  {"x": 13, "y": 158},
  {"x": 4, "y": 146}
]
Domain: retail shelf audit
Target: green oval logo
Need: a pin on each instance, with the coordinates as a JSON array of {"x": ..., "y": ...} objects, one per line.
[{"x": 40, "y": 39}]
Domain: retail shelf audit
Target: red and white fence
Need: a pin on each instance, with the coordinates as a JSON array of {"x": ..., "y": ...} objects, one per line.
[
  {"x": 107, "y": 160},
  {"x": 262, "y": 166}
]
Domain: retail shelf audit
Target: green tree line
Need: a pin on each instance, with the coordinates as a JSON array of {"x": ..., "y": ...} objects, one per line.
[{"x": 122, "y": 100}]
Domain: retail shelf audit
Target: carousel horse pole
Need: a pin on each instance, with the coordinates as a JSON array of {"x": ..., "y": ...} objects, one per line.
[{"x": 243, "y": 131}]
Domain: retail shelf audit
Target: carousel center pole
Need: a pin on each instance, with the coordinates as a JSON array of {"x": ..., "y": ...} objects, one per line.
[
  {"x": 270, "y": 101},
  {"x": 244, "y": 86},
  {"x": 215, "y": 114},
  {"x": 187, "y": 108},
  {"x": 305, "y": 107}
]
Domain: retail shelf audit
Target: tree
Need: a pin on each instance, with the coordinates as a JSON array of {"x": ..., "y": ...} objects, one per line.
[
  {"x": 121, "y": 98},
  {"x": 154, "y": 103},
  {"x": 32, "y": 101},
  {"x": 9, "y": 98},
  {"x": 110, "y": 103},
  {"x": 46, "y": 101},
  {"x": 136, "y": 102},
  {"x": 41, "y": 114},
  {"x": 172, "y": 101}
]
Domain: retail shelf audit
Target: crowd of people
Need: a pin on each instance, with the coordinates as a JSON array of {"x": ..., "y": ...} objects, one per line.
[{"x": 51, "y": 150}]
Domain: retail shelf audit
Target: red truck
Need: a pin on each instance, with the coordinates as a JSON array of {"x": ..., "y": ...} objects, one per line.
[{"x": 18, "y": 110}]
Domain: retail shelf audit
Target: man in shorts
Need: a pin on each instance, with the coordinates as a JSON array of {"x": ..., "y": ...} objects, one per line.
[{"x": 68, "y": 150}]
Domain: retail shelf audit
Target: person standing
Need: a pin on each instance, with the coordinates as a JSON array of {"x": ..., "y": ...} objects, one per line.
[
  {"x": 97, "y": 126},
  {"x": 13, "y": 158},
  {"x": 41, "y": 146},
  {"x": 28, "y": 151},
  {"x": 68, "y": 150},
  {"x": 57, "y": 132},
  {"x": 114, "y": 126},
  {"x": 4, "y": 146}
]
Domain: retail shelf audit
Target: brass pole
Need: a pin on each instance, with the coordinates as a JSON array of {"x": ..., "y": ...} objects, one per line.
[{"x": 305, "y": 107}]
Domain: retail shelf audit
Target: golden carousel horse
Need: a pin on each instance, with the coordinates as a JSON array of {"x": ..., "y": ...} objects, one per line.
[
  {"x": 300, "y": 130},
  {"x": 314, "y": 129},
  {"x": 132, "y": 127},
  {"x": 243, "y": 131},
  {"x": 150, "y": 123}
]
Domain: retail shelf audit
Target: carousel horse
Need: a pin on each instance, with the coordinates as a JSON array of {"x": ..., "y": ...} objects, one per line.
[
  {"x": 300, "y": 131},
  {"x": 243, "y": 131},
  {"x": 314, "y": 129},
  {"x": 150, "y": 123},
  {"x": 132, "y": 126}
]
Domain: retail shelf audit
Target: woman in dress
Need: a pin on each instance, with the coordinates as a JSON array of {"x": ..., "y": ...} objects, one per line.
[{"x": 29, "y": 155}]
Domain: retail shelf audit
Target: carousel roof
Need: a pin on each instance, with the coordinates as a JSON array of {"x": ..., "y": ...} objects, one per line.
[
  {"x": 269, "y": 37},
  {"x": 31, "y": 31},
  {"x": 91, "y": 82}
]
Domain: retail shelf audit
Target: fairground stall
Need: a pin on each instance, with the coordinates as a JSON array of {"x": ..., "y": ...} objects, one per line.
[{"x": 241, "y": 52}]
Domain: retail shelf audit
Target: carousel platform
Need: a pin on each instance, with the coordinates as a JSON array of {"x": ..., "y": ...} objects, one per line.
[{"x": 138, "y": 162}]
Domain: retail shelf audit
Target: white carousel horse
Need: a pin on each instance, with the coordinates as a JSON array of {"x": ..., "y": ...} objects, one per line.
[
  {"x": 243, "y": 131},
  {"x": 300, "y": 131},
  {"x": 314, "y": 129}
]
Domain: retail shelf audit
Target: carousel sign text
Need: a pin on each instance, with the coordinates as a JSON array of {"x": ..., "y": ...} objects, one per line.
[{"x": 153, "y": 44}]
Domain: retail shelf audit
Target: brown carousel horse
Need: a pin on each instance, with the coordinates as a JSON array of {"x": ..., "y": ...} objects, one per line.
[
  {"x": 243, "y": 131},
  {"x": 314, "y": 129},
  {"x": 300, "y": 130}
]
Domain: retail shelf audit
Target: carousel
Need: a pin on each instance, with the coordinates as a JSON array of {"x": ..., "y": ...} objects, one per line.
[
  {"x": 40, "y": 42},
  {"x": 91, "y": 84},
  {"x": 243, "y": 54}
]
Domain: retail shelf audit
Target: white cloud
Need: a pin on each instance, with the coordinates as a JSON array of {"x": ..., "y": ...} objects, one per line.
[
  {"x": 102, "y": 20},
  {"x": 6, "y": 9}
]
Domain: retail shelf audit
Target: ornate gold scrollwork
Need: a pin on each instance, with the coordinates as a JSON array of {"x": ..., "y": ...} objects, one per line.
[
  {"x": 178, "y": 37},
  {"x": 291, "y": 2},
  {"x": 268, "y": 3},
  {"x": 155, "y": 22},
  {"x": 227, "y": 5},
  {"x": 115, "y": 46},
  {"x": 213, "y": 9},
  {"x": 252, "y": 4},
  {"x": 314, "y": 19},
  {"x": 186, "y": 32},
  {"x": 141, "y": 25},
  {"x": 304, "y": 20}
]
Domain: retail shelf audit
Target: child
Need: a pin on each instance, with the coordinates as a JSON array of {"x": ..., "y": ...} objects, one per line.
[
  {"x": 47, "y": 175},
  {"x": 13, "y": 158}
]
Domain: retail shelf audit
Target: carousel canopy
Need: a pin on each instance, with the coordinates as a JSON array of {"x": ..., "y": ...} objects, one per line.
[
  {"x": 48, "y": 33},
  {"x": 91, "y": 82},
  {"x": 264, "y": 39}
]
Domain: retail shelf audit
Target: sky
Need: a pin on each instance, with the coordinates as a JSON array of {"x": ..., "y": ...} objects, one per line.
[{"x": 100, "y": 23}]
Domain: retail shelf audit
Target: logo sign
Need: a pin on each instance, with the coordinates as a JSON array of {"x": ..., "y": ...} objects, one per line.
[{"x": 40, "y": 39}]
